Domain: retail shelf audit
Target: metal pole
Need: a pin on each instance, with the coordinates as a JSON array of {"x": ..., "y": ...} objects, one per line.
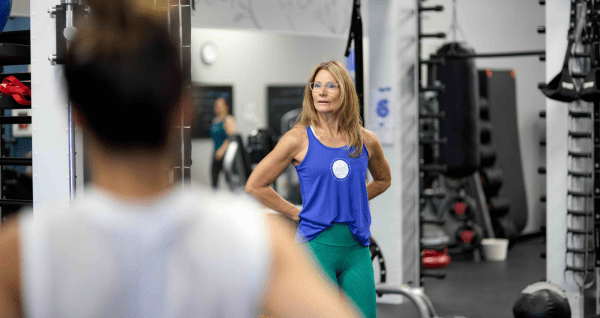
[
  {"x": 356, "y": 35},
  {"x": 72, "y": 172},
  {"x": 488, "y": 55},
  {"x": 358, "y": 53},
  {"x": 420, "y": 186},
  {"x": 181, "y": 119}
]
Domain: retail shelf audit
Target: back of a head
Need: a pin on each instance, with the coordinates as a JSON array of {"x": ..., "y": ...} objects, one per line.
[{"x": 124, "y": 74}]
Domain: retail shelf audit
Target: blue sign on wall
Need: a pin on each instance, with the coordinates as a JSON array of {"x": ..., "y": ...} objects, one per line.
[{"x": 382, "y": 108}]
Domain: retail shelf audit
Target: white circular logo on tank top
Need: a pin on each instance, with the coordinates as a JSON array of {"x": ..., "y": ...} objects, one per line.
[{"x": 340, "y": 169}]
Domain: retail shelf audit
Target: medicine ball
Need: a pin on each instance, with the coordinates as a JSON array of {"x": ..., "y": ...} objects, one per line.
[
  {"x": 5, "y": 8},
  {"x": 542, "y": 300}
]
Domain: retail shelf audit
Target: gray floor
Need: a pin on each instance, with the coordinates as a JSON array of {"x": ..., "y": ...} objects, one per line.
[{"x": 480, "y": 289}]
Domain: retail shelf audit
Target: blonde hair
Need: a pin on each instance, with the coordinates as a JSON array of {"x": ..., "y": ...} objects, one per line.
[{"x": 349, "y": 111}]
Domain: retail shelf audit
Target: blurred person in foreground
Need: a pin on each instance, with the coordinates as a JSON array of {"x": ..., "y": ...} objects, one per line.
[{"x": 136, "y": 245}]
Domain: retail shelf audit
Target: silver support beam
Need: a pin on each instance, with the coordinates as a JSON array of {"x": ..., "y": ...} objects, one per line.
[
  {"x": 71, "y": 128},
  {"x": 49, "y": 109}
]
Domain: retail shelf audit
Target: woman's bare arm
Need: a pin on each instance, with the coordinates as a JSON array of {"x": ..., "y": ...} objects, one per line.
[
  {"x": 229, "y": 125},
  {"x": 270, "y": 168},
  {"x": 378, "y": 166}
]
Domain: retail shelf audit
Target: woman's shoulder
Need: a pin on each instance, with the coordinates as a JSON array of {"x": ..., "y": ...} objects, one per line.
[
  {"x": 296, "y": 136},
  {"x": 370, "y": 140},
  {"x": 368, "y": 136}
]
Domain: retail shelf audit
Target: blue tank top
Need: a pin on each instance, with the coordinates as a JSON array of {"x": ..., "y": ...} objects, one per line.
[
  {"x": 217, "y": 133},
  {"x": 334, "y": 190}
]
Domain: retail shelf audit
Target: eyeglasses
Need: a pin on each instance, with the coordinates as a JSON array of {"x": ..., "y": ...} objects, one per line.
[{"x": 329, "y": 86}]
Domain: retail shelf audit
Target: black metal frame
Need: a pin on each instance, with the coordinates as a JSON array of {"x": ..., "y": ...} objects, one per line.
[
  {"x": 434, "y": 169},
  {"x": 494, "y": 55},
  {"x": 356, "y": 35},
  {"x": 13, "y": 57}
]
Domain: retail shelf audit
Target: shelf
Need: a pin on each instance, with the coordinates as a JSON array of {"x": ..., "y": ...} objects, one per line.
[
  {"x": 580, "y": 174},
  {"x": 580, "y": 213},
  {"x": 580, "y": 134},
  {"x": 23, "y": 77},
  {"x": 580, "y": 114},
  {"x": 15, "y": 161},
  {"x": 432, "y": 115},
  {"x": 8, "y": 102},
  {"x": 433, "y": 168},
  {"x": 9, "y": 202},
  {"x": 15, "y": 48},
  {"x": 432, "y": 141},
  {"x": 579, "y": 194},
  {"x": 16, "y": 37},
  {"x": 580, "y": 154},
  {"x": 15, "y": 119},
  {"x": 433, "y": 195},
  {"x": 15, "y": 54}
]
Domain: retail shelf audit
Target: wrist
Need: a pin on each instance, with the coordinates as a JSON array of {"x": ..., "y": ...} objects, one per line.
[{"x": 296, "y": 215}]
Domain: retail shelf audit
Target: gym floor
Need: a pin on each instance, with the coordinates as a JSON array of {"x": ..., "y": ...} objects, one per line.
[{"x": 480, "y": 289}]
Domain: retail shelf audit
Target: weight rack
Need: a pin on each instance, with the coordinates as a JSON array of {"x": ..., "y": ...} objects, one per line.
[
  {"x": 429, "y": 118},
  {"x": 14, "y": 50}
]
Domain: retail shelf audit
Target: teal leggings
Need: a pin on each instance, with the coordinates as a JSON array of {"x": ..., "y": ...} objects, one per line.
[{"x": 348, "y": 264}]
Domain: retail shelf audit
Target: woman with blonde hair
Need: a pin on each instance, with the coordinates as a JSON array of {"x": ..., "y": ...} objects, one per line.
[{"x": 332, "y": 153}]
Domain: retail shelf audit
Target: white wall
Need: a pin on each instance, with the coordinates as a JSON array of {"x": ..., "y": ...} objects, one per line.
[
  {"x": 322, "y": 17},
  {"x": 20, "y": 8},
  {"x": 504, "y": 26},
  {"x": 250, "y": 61}
]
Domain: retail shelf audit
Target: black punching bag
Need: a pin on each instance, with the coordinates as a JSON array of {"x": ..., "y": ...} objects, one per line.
[{"x": 461, "y": 104}]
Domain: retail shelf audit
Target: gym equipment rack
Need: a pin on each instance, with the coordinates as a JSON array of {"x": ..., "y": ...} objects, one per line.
[
  {"x": 180, "y": 26},
  {"x": 14, "y": 50},
  {"x": 579, "y": 269},
  {"x": 573, "y": 159},
  {"x": 429, "y": 141}
]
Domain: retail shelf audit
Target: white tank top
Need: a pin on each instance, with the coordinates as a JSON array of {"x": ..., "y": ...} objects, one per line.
[{"x": 201, "y": 254}]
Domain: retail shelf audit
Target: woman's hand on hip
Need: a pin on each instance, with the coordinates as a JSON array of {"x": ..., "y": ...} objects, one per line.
[{"x": 271, "y": 167}]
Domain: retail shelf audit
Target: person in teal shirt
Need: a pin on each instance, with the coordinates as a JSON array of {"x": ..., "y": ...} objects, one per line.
[{"x": 223, "y": 126}]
